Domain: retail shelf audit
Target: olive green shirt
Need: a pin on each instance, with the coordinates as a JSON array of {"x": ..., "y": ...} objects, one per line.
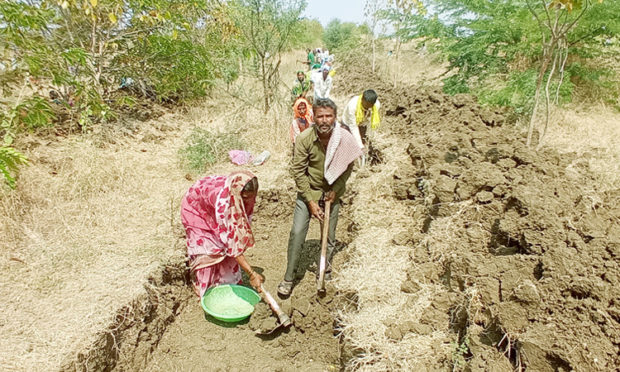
[{"x": 308, "y": 168}]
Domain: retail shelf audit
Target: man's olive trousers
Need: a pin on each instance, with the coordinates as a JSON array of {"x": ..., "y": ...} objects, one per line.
[{"x": 301, "y": 221}]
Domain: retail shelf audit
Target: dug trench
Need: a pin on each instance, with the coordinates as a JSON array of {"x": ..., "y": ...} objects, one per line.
[
  {"x": 501, "y": 257},
  {"x": 166, "y": 329},
  {"x": 513, "y": 254}
]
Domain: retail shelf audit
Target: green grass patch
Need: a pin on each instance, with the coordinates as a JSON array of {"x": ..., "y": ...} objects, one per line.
[{"x": 204, "y": 148}]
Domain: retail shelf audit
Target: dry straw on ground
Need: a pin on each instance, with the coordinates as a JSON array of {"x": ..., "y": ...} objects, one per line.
[
  {"x": 84, "y": 223},
  {"x": 94, "y": 215},
  {"x": 593, "y": 134},
  {"x": 375, "y": 270}
]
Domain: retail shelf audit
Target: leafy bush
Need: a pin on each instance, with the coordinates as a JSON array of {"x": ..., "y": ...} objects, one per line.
[
  {"x": 205, "y": 148},
  {"x": 85, "y": 50},
  {"x": 32, "y": 113},
  {"x": 35, "y": 112},
  {"x": 340, "y": 36},
  {"x": 487, "y": 43},
  {"x": 10, "y": 159}
]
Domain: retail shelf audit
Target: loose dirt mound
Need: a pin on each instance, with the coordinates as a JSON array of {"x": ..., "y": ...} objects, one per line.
[
  {"x": 308, "y": 345},
  {"x": 524, "y": 246}
]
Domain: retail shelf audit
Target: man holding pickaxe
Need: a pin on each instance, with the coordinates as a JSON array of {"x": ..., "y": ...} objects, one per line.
[{"x": 322, "y": 163}]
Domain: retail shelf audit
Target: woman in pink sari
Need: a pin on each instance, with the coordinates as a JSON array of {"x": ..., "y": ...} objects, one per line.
[{"x": 216, "y": 212}]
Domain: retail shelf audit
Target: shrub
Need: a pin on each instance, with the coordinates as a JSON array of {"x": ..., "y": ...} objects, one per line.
[
  {"x": 10, "y": 159},
  {"x": 205, "y": 148}
]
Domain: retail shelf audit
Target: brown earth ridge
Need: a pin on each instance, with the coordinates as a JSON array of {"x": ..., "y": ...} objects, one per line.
[
  {"x": 523, "y": 246},
  {"x": 527, "y": 250}
]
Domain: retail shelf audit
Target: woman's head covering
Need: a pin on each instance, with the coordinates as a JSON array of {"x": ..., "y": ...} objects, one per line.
[
  {"x": 308, "y": 114},
  {"x": 233, "y": 216}
]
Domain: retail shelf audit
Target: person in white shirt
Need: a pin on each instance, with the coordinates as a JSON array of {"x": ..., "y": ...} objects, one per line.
[
  {"x": 322, "y": 82},
  {"x": 359, "y": 112}
]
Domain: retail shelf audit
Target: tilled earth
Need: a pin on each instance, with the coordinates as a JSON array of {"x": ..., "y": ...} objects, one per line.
[
  {"x": 525, "y": 249},
  {"x": 524, "y": 245},
  {"x": 196, "y": 342}
]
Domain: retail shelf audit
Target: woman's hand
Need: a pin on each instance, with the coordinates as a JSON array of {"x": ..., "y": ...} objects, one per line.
[{"x": 256, "y": 280}]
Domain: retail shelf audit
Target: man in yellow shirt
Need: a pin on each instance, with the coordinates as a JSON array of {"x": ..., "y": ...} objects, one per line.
[{"x": 361, "y": 112}]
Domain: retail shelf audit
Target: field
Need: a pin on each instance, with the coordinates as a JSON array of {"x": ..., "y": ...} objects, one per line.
[{"x": 460, "y": 247}]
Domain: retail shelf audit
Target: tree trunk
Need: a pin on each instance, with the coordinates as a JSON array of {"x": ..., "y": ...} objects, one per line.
[
  {"x": 547, "y": 99},
  {"x": 541, "y": 74},
  {"x": 563, "y": 49},
  {"x": 265, "y": 85},
  {"x": 373, "y": 54}
]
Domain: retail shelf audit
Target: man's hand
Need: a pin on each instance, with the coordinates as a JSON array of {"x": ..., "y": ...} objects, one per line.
[
  {"x": 330, "y": 196},
  {"x": 315, "y": 210}
]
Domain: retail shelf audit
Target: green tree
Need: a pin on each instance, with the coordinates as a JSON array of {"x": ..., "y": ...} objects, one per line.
[
  {"x": 268, "y": 28},
  {"x": 339, "y": 36},
  {"x": 556, "y": 20},
  {"x": 83, "y": 51},
  {"x": 311, "y": 34},
  {"x": 504, "y": 41}
]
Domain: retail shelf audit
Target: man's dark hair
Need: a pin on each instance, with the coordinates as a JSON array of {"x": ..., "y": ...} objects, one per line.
[
  {"x": 325, "y": 102},
  {"x": 370, "y": 96}
]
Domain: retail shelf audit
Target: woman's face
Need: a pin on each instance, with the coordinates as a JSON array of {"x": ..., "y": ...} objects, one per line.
[
  {"x": 302, "y": 108},
  {"x": 248, "y": 195}
]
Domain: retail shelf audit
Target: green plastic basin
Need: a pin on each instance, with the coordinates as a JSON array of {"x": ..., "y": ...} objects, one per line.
[{"x": 229, "y": 302}]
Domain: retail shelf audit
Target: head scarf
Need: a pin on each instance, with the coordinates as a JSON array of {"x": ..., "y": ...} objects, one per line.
[
  {"x": 308, "y": 114},
  {"x": 360, "y": 112},
  {"x": 232, "y": 216}
]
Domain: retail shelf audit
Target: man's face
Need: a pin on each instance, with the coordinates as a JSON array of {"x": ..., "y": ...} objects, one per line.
[
  {"x": 301, "y": 76},
  {"x": 325, "y": 73},
  {"x": 365, "y": 104},
  {"x": 324, "y": 119}
]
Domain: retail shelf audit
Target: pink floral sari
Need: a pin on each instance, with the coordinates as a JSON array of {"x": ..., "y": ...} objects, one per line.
[{"x": 217, "y": 224}]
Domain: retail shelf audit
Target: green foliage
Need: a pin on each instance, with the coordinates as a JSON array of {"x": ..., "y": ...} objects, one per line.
[
  {"x": 498, "y": 41},
  {"x": 311, "y": 34},
  {"x": 169, "y": 49},
  {"x": 205, "y": 148},
  {"x": 34, "y": 112},
  {"x": 460, "y": 353},
  {"x": 339, "y": 36},
  {"x": 599, "y": 83},
  {"x": 10, "y": 159},
  {"x": 515, "y": 92},
  {"x": 268, "y": 28}
]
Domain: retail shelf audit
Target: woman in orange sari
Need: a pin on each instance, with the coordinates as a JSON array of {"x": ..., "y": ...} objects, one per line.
[
  {"x": 302, "y": 117},
  {"x": 216, "y": 212}
]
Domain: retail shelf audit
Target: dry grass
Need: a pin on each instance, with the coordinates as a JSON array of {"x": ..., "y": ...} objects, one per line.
[
  {"x": 82, "y": 231},
  {"x": 375, "y": 271},
  {"x": 91, "y": 219},
  {"x": 593, "y": 134},
  {"x": 413, "y": 65}
]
